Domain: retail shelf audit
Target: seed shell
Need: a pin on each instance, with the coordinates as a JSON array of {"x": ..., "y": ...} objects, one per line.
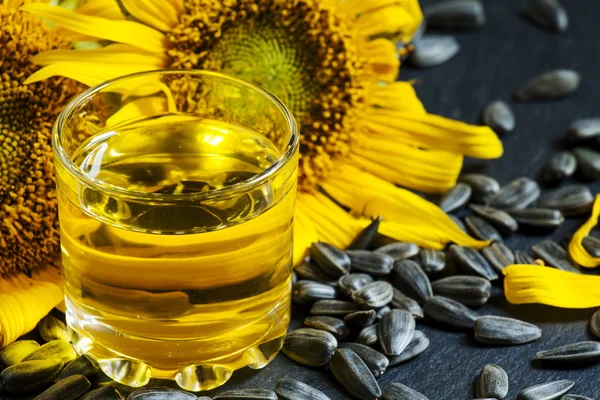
[
  {"x": 310, "y": 347},
  {"x": 523, "y": 258},
  {"x": 456, "y": 197},
  {"x": 373, "y": 295},
  {"x": 575, "y": 397},
  {"x": 570, "y": 200},
  {"x": 575, "y": 352},
  {"x": 398, "y": 391},
  {"x": 82, "y": 365},
  {"x": 352, "y": 282},
  {"x": 103, "y": 393},
  {"x": 546, "y": 391},
  {"x": 160, "y": 393},
  {"x": 449, "y": 312},
  {"x": 554, "y": 255},
  {"x": 549, "y": 85},
  {"x": 455, "y": 14},
  {"x": 499, "y": 256},
  {"x": 360, "y": 319},
  {"x": 333, "y": 307},
  {"x": 458, "y": 222},
  {"x": 583, "y": 129},
  {"x": 307, "y": 292},
  {"x": 481, "y": 185},
  {"x": 247, "y": 394},
  {"x": 595, "y": 324},
  {"x": 432, "y": 261},
  {"x": 366, "y": 237},
  {"x": 70, "y": 388},
  {"x": 417, "y": 345},
  {"x": 373, "y": 359},
  {"x": 588, "y": 161},
  {"x": 481, "y": 229},
  {"x": 468, "y": 290},
  {"x": 408, "y": 276},
  {"x": 498, "y": 116},
  {"x": 591, "y": 245},
  {"x": 368, "y": 336},
  {"x": 492, "y": 382},
  {"x": 16, "y": 352},
  {"x": 471, "y": 261},
  {"x": 54, "y": 349},
  {"x": 332, "y": 261},
  {"x": 373, "y": 263},
  {"x": 432, "y": 50},
  {"x": 498, "y": 218},
  {"x": 354, "y": 375},
  {"x": 31, "y": 376},
  {"x": 538, "y": 217},
  {"x": 548, "y": 14},
  {"x": 292, "y": 389},
  {"x": 309, "y": 271},
  {"x": 383, "y": 310},
  {"x": 395, "y": 331},
  {"x": 403, "y": 302},
  {"x": 335, "y": 326},
  {"x": 505, "y": 331},
  {"x": 561, "y": 166},
  {"x": 399, "y": 250},
  {"x": 518, "y": 194},
  {"x": 51, "y": 328}
]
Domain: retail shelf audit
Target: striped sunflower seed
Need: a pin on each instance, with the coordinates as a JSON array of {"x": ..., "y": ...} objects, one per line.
[
  {"x": 161, "y": 393},
  {"x": 293, "y": 389},
  {"x": 333, "y": 307},
  {"x": 583, "y": 129},
  {"x": 352, "y": 282},
  {"x": 307, "y": 292},
  {"x": 368, "y": 335},
  {"x": 360, "y": 319},
  {"x": 103, "y": 393},
  {"x": 570, "y": 200},
  {"x": 588, "y": 161},
  {"x": 449, "y": 312},
  {"x": 246, "y": 394},
  {"x": 482, "y": 185},
  {"x": 82, "y": 365},
  {"x": 70, "y": 388},
  {"x": 499, "y": 256},
  {"x": 456, "y": 197},
  {"x": 399, "y": 250},
  {"x": 332, "y": 261},
  {"x": 310, "y": 272},
  {"x": 538, "y": 217},
  {"x": 51, "y": 328},
  {"x": 522, "y": 257},
  {"x": 561, "y": 166},
  {"x": 310, "y": 347},
  {"x": 335, "y": 326},
  {"x": 554, "y": 255},
  {"x": 574, "y": 352},
  {"x": 366, "y": 237},
  {"x": 54, "y": 349},
  {"x": 373, "y": 359},
  {"x": 492, "y": 382},
  {"x": 575, "y": 397},
  {"x": 16, "y": 352},
  {"x": 518, "y": 194},
  {"x": 498, "y": 116},
  {"x": 374, "y": 263},
  {"x": 455, "y": 14},
  {"x": 546, "y": 391},
  {"x": 505, "y": 331},
  {"x": 295, "y": 278},
  {"x": 548, "y": 14},
  {"x": 432, "y": 261},
  {"x": 432, "y": 50},
  {"x": 458, "y": 222},
  {"x": 31, "y": 376},
  {"x": 549, "y": 85},
  {"x": 398, "y": 391},
  {"x": 417, "y": 345},
  {"x": 408, "y": 276},
  {"x": 498, "y": 218},
  {"x": 468, "y": 290},
  {"x": 383, "y": 310},
  {"x": 595, "y": 324},
  {"x": 352, "y": 372},
  {"x": 395, "y": 331},
  {"x": 373, "y": 295},
  {"x": 403, "y": 302},
  {"x": 471, "y": 261},
  {"x": 481, "y": 229},
  {"x": 591, "y": 245}
]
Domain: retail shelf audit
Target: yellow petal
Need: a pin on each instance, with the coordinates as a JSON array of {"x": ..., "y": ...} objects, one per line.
[
  {"x": 108, "y": 9},
  {"x": 128, "y": 32},
  {"x": 160, "y": 14},
  {"x": 112, "y": 54},
  {"x": 135, "y": 109},
  {"x": 534, "y": 284},
  {"x": 576, "y": 250},
  {"x": 382, "y": 59},
  {"x": 398, "y": 96},
  {"x": 12, "y": 3},
  {"x": 89, "y": 74}
]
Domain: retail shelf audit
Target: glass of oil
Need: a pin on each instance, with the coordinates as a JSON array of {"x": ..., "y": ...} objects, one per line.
[{"x": 176, "y": 193}]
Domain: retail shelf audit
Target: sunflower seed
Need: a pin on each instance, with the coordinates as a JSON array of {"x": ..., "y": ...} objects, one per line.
[
  {"x": 455, "y": 14},
  {"x": 481, "y": 229},
  {"x": 162, "y": 393},
  {"x": 554, "y": 255},
  {"x": 383, "y": 310},
  {"x": 492, "y": 382},
  {"x": 575, "y": 352},
  {"x": 360, "y": 319},
  {"x": 294, "y": 277},
  {"x": 449, "y": 312},
  {"x": 403, "y": 302},
  {"x": 570, "y": 200},
  {"x": 583, "y": 129},
  {"x": 591, "y": 245},
  {"x": 31, "y": 376},
  {"x": 395, "y": 331},
  {"x": 333, "y": 307},
  {"x": 70, "y": 388},
  {"x": 309, "y": 271},
  {"x": 16, "y": 352},
  {"x": 417, "y": 345},
  {"x": 397, "y": 391},
  {"x": 468, "y": 290},
  {"x": 498, "y": 218},
  {"x": 52, "y": 328},
  {"x": 354, "y": 375},
  {"x": 374, "y": 263},
  {"x": 307, "y": 292},
  {"x": 54, "y": 349},
  {"x": 595, "y": 324},
  {"x": 366, "y": 237},
  {"x": 549, "y": 85},
  {"x": 561, "y": 166},
  {"x": 499, "y": 256},
  {"x": 575, "y": 397},
  {"x": 498, "y": 116},
  {"x": 518, "y": 194},
  {"x": 246, "y": 394},
  {"x": 335, "y": 326},
  {"x": 432, "y": 261},
  {"x": 538, "y": 217},
  {"x": 482, "y": 185},
  {"x": 458, "y": 222},
  {"x": 456, "y": 197},
  {"x": 332, "y": 261},
  {"x": 368, "y": 335},
  {"x": 82, "y": 365},
  {"x": 310, "y": 347},
  {"x": 408, "y": 276},
  {"x": 373, "y": 359},
  {"x": 523, "y": 258},
  {"x": 432, "y": 50},
  {"x": 352, "y": 282},
  {"x": 505, "y": 331},
  {"x": 546, "y": 391},
  {"x": 373, "y": 295},
  {"x": 292, "y": 389},
  {"x": 103, "y": 393},
  {"x": 399, "y": 250},
  {"x": 548, "y": 14},
  {"x": 588, "y": 161},
  {"x": 472, "y": 262}
]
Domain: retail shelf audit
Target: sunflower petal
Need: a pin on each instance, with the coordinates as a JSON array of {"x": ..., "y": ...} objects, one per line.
[
  {"x": 160, "y": 14},
  {"x": 397, "y": 96},
  {"x": 535, "y": 284},
  {"x": 108, "y": 9},
  {"x": 112, "y": 54},
  {"x": 576, "y": 249},
  {"x": 382, "y": 59},
  {"x": 87, "y": 73}
]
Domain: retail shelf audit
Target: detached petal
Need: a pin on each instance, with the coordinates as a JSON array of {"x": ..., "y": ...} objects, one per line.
[{"x": 576, "y": 250}]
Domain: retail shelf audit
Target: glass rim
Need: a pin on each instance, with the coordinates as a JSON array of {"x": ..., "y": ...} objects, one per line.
[{"x": 245, "y": 185}]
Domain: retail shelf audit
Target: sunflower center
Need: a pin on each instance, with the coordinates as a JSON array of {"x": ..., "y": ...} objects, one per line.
[{"x": 299, "y": 50}]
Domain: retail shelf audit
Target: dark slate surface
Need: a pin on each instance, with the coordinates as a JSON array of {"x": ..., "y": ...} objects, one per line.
[{"x": 492, "y": 63}]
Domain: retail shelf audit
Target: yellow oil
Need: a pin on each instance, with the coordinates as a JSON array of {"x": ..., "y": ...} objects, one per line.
[{"x": 171, "y": 289}]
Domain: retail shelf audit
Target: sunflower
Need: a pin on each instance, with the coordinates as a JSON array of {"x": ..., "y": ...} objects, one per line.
[
  {"x": 334, "y": 64},
  {"x": 29, "y": 240}
]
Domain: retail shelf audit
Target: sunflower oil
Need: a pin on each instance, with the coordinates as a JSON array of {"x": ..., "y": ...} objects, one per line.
[{"x": 193, "y": 282}]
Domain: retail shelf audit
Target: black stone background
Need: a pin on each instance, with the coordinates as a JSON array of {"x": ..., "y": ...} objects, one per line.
[{"x": 493, "y": 61}]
